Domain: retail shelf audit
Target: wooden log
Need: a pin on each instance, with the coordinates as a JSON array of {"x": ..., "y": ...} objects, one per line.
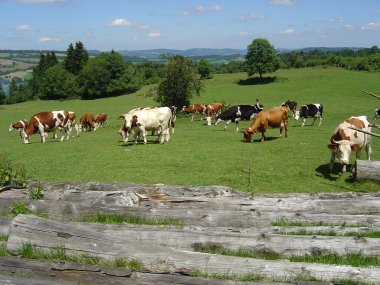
[
  {"x": 17, "y": 271},
  {"x": 372, "y": 94},
  {"x": 365, "y": 169},
  {"x": 45, "y": 235}
]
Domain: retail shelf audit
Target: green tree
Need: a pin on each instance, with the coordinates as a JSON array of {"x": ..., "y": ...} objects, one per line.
[
  {"x": 261, "y": 58},
  {"x": 204, "y": 69},
  {"x": 58, "y": 83},
  {"x": 106, "y": 75},
  {"x": 179, "y": 82},
  {"x": 76, "y": 58},
  {"x": 13, "y": 92},
  {"x": 2, "y": 97}
]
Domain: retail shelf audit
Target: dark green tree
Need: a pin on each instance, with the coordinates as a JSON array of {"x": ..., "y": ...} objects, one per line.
[
  {"x": 179, "y": 83},
  {"x": 205, "y": 69},
  {"x": 2, "y": 97},
  {"x": 58, "y": 83},
  {"x": 76, "y": 58},
  {"x": 261, "y": 58},
  {"x": 13, "y": 92}
]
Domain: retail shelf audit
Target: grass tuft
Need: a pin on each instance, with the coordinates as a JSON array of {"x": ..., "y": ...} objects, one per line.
[
  {"x": 20, "y": 208},
  {"x": 130, "y": 219},
  {"x": 59, "y": 254}
]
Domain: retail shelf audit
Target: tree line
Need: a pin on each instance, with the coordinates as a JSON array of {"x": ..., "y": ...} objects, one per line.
[{"x": 176, "y": 80}]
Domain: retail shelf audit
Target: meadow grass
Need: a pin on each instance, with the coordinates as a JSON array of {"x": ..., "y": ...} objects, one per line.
[
  {"x": 121, "y": 219},
  {"x": 59, "y": 254},
  {"x": 206, "y": 155}
]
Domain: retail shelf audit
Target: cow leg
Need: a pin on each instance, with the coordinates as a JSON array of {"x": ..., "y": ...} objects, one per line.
[
  {"x": 263, "y": 138},
  {"x": 303, "y": 122},
  {"x": 320, "y": 121},
  {"x": 143, "y": 133},
  {"x": 368, "y": 150},
  {"x": 314, "y": 119},
  {"x": 192, "y": 117},
  {"x": 332, "y": 159},
  {"x": 286, "y": 129}
]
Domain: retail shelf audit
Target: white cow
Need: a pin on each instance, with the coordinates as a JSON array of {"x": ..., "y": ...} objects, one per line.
[
  {"x": 345, "y": 140},
  {"x": 139, "y": 121}
]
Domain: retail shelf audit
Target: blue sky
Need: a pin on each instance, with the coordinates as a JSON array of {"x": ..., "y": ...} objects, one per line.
[{"x": 180, "y": 24}]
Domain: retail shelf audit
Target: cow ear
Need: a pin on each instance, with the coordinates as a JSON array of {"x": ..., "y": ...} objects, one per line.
[
  {"x": 333, "y": 147},
  {"x": 355, "y": 147}
]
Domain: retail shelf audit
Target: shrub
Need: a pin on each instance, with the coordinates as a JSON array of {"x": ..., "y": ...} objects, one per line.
[{"x": 11, "y": 174}]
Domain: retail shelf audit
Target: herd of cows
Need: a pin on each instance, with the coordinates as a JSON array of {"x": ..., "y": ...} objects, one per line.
[{"x": 347, "y": 136}]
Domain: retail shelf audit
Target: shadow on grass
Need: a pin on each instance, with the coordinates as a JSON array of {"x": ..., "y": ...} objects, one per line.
[
  {"x": 324, "y": 171},
  {"x": 261, "y": 81}
]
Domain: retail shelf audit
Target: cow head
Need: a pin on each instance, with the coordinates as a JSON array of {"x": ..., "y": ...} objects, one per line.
[
  {"x": 343, "y": 149},
  {"x": 297, "y": 115},
  {"x": 248, "y": 135}
]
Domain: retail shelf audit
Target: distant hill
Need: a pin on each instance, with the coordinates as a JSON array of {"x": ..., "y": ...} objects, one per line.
[
  {"x": 156, "y": 53},
  {"x": 324, "y": 49}
]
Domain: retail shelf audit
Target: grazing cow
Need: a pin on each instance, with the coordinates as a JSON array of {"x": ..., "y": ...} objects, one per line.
[
  {"x": 195, "y": 109},
  {"x": 43, "y": 122},
  {"x": 19, "y": 126},
  {"x": 70, "y": 122},
  {"x": 213, "y": 109},
  {"x": 238, "y": 113},
  {"x": 292, "y": 105},
  {"x": 276, "y": 117},
  {"x": 377, "y": 114},
  {"x": 310, "y": 110},
  {"x": 140, "y": 121},
  {"x": 101, "y": 119},
  {"x": 345, "y": 140},
  {"x": 87, "y": 122}
]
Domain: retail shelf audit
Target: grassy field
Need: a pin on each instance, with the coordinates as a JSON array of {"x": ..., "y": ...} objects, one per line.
[{"x": 206, "y": 155}]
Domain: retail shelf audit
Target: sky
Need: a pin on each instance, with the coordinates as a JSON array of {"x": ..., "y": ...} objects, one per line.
[{"x": 178, "y": 24}]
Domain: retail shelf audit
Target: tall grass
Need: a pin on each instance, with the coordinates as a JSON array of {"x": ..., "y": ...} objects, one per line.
[{"x": 206, "y": 155}]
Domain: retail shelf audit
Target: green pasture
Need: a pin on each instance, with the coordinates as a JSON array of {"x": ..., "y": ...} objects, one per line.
[{"x": 206, "y": 155}]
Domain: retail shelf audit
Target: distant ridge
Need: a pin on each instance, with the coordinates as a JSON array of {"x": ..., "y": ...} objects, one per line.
[{"x": 155, "y": 53}]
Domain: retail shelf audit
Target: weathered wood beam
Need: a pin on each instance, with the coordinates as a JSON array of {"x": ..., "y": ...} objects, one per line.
[
  {"x": 45, "y": 235},
  {"x": 365, "y": 132},
  {"x": 372, "y": 94},
  {"x": 365, "y": 169}
]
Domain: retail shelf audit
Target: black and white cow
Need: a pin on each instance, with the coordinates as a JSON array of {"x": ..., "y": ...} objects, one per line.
[
  {"x": 310, "y": 110},
  {"x": 377, "y": 114},
  {"x": 292, "y": 105},
  {"x": 238, "y": 113}
]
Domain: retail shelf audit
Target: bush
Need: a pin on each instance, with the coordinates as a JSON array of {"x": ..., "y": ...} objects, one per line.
[{"x": 11, "y": 174}]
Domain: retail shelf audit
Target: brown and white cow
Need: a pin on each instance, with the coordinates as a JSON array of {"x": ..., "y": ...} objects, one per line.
[
  {"x": 87, "y": 122},
  {"x": 19, "y": 126},
  {"x": 70, "y": 122},
  {"x": 213, "y": 109},
  {"x": 194, "y": 109},
  {"x": 101, "y": 119},
  {"x": 139, "y": 121},
  {"x": 345, "y": 140},
  {"x": 44, "y": 122},
  {"x": 276, "y": 117}
]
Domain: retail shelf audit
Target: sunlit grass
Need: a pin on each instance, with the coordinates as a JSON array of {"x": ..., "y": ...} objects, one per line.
[{"x": 206, "y": 155}]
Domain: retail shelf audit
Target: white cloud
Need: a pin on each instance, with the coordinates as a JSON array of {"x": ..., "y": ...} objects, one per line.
[
  {"x": 48, "y": 39},
  {"x": 251, "y": 16},
  {"x": 282, "y": 2},
  {"x": 120, "y": 22},
  {"x": 141, "y": 27},
  {"x": 41, "y": 1},
  {"x": 154, "y": 34},
  {"x": 203, "y": 10},
  {"x": 371, "y": 26},
  {"x": 245, "y": 34},
  {"x": 288, "y": 31},
  {"x": 24, "y": 28},
  {"x": 349, "y": 27}
]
